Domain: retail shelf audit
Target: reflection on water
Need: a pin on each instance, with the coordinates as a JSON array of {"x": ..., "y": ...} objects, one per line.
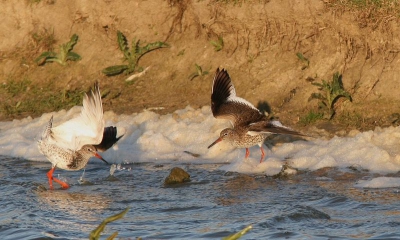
[
  {"x": 79, "y": 204},
  {"x": 319, "y": 204}
]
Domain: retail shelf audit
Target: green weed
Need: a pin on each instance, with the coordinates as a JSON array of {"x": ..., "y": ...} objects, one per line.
[
  {"x": 374, "y": 11},
  {"x": 18, "y": 97},
  {"x": 199, "y": 72},
  {"x": 238, "y": 234},
  {"x": 219, "y": 44},
  {"x": 330, "y": 93},
  {"x": 34, "y": 1},
  {"x": 311, "y": 117},
  {"x": 181, "y": 52},
  {"x": 95, "y": 234},
  {"x": 304, "y": 60},
  {"x": 132, "y": 56},
  {"x": 14, "y": 88},
  {"x": 65, "y": 53}
]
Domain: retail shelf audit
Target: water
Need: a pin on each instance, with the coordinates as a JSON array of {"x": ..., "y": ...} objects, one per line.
[
  {"x": 339, "y": 188},
  {"x": 309, "y": 205}
]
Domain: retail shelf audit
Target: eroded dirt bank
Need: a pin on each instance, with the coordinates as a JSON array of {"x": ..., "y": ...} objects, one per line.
[{"x": 261, "y": 40}]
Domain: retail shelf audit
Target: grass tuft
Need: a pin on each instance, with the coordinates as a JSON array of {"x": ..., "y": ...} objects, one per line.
[
  {"x": 219, "y": 44},
  {"x": 199, "y": 72},
  {"x": 311, "y": 117},
  {"x": 19, "y": 97}
]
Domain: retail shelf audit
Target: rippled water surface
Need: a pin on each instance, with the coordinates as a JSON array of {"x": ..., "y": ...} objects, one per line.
[{"x": 321, "y": 204}]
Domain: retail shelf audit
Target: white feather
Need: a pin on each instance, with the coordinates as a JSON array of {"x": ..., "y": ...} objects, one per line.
[
  {"x": 232, "y": 98},
  {"x": 87, "y": 128},
  {"x": 279, "y": 124}
]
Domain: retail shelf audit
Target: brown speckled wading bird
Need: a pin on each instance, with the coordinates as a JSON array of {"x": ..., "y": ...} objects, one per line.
[
  {"x": 250, "y": 126},
  {"x": 70, "y": 145}
]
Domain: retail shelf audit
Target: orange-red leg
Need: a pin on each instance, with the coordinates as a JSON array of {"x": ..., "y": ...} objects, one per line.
[
  {"x": 247, "y": 153},
  {"x": 50, "y": 177},
  {"x": 262, "y": 154},
  {"x": 64, "y": 185}
]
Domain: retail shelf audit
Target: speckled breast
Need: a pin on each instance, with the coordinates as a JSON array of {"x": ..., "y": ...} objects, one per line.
[{"x": 247, "y": 140}]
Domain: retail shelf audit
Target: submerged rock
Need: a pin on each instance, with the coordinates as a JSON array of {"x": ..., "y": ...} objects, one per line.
[{"x": 177, "y": 175}]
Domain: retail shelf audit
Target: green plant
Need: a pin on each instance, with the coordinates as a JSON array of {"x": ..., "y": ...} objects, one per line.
[
  {"x": 199, "y": 72},
  {"x": 311, "y": 117},
  {"x": 132, "y": 55},
  {"x": 34, "y": 1},
  {"x": 65, "y": 53},
  {"x": 95, "y": 234},
  {"x": 15, "y": 88},
  {"x": 219, "y": 44},
  {"x": 304, "y": 60},
  {"x": 18, "y": 94},
  {"x": 373, "y": 9},
  {"x": 181, "y": 52},
  {"x": 331, "y": 92}
]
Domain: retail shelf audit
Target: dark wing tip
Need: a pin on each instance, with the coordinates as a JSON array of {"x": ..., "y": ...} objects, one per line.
[
  {"x": 93, "y": 91},
  {"x": 221, "y": 90},
  {"x": 96, "y": 89},
  {"x": 271, "y": 127},
  {"x": 96, "y": 85},
  {"x": 109, "y": 139}
]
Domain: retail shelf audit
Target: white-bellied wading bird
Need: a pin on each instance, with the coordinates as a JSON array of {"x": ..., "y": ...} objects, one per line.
[
  {"x": 70, "y": 145},
  {"x": 250, "y": 126}
]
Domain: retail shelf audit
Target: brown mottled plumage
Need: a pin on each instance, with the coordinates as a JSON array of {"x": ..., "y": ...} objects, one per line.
[{"x": 250, "y": 126}]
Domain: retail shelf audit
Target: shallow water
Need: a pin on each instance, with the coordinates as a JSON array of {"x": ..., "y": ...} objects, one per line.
[
  {"x": 322, "y": 204},
  {"x": 338, "y": 188}
]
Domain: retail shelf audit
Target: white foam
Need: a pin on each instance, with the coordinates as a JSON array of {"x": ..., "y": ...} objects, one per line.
[
  {"x": 379, "y": 182},
  {"x": 149, "y": 136}
]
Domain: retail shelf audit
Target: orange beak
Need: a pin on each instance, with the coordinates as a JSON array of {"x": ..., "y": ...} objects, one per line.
[
  {"x": 100, "y": 157},
  {"x": 215, "y": 142}
]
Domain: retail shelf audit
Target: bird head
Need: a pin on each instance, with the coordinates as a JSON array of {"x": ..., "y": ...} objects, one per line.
[
  {"x": 225, "y": 134},
  {"x": 92, "y": 152}
]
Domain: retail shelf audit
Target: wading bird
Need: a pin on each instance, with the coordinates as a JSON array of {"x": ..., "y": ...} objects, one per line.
[
  {"x": 250, "y": 126},
  {"x": 70, "y": 145}
]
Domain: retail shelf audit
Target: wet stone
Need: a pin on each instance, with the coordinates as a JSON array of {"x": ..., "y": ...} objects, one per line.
[{"x": 177, "y": 175}]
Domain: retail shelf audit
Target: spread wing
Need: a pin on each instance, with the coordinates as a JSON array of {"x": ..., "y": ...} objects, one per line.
[
  {"x": 226, "y": 105},
  {"x": 109, "y": 139},
  {"x": 87, "y": 128},
  {"x": 274, "y": 127}
]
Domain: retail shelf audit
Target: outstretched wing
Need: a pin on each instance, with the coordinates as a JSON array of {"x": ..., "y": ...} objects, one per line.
[
  {"x": 226, "y": 105},
  {"x": 274, "y": 127},
  {"x": 87, "y": 128},
  {"x": 109, "y": 139}
]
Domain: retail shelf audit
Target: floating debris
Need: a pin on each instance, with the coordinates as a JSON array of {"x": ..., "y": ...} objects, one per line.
[{"x": 192, "y": 154}]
